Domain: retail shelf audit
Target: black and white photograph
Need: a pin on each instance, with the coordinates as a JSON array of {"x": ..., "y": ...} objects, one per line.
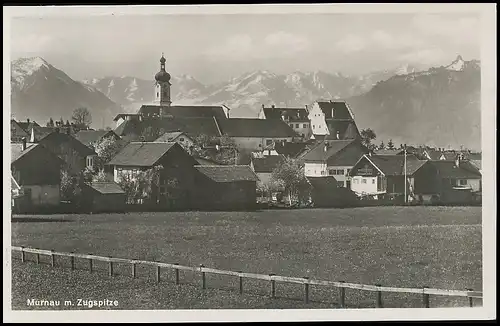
[{"x": 250, "y": 162}]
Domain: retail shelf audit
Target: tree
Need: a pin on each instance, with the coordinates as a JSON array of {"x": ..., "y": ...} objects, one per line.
[
  {"x": 61, "y": 122},
  {"x": 390, "y": 144},
  {"x": 143, "y": 186},
  {"x": 50, "y": 123},
  {"x": 100, "y": 177},
  {"x": 82, "y": 117},
  {"x": 106, "y": 149},
  {"x": 220, "y": 149},
  {"x": 367, "y": 136},
  {"x": 67, "y": 123},
  {"x": 289, "y": 175},
  {"x": 382, "y": 145},
  {"x": 67, "y": 186}
]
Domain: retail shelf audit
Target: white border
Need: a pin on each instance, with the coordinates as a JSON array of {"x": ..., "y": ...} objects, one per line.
[{"x": 488, "y": 63}]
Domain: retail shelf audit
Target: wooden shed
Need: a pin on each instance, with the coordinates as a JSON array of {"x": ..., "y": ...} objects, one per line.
[{"x": 104, "y": 197}]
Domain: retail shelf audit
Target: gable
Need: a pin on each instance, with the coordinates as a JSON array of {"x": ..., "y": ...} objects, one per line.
[
  {"x": 348, "y": 156},
  {"x": 365, "y": 167}
]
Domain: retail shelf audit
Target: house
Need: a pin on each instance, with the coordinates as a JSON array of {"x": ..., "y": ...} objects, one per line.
[
  {"x": 296, "y": 118},
  {"x": 333, "y": 157},
  {"x": 225, "y": 187},
  {"x": 334, "y": 119},
  {"x": 264, "y": 166},
  {"x": 177, "y": 168},
  {"x": 325, "y": 192},
  {"x": 36, "y": 174},
  {"x": 457, "y": 174},
  {"x": 294, "y": 149},
  {"x": 37, "y": 133},
  {"x": 255, "y": 134},
  {"x": 103, "y": 197},
  {"x": 381, "y": 175},
  {"x": 89, "y": 137},
  {"x": 179, "y": 137},
  {"x": 76, "y": 156}
]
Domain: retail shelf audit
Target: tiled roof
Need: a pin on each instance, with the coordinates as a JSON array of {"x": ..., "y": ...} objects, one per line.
[
  {"x": 141, "y": 153},
  {"x": 346, "y": 129},
  {"x": 169, "y": 136},
  {"x": 186, "y": 111},
  {"x": 290, "y": 149},
  {"x": 106, "y": 187},
  {"x": 318, "y": 152},
  {"x": 191, "y": 126},
  {"x": 259, "y": 128},
  {"x": 323, "y": 183},
  {"x": 27, "y": 125},
  {"x": 389, "y": 151},
  {"x": 228, "y": 173},
  {"x": 394, "y": 164},
  {"x": 205, "y": 161},
  {"x": 59, "y": 138},
  {"x": 16, "y": 151},
  {"x": 447, "y": 169},
  {"x": 340, "y": 110},
  {"x": 266, "y": 164},
  {"x": 41, "y": 132},
  {"x": 90, "y": 136},
  {"x": 291, "y": 114}
]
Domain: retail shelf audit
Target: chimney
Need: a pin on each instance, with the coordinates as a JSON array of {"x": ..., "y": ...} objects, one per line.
[
  {"x": 338, "y": 135},
  {"x": 28, "y": 120},
  {"x": 457, "y": 161},
  {"x": 306, "y": 107},
  {"x": 24, "y": 143},
  {"x": 273, "y": 106},
  {"x": 262, "y": 105}
]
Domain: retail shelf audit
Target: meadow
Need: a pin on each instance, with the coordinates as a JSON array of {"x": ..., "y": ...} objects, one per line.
[{"x": 438, "y": 247}]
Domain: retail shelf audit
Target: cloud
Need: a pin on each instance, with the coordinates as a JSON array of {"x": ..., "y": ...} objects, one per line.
[
  {"x": 352, "y": 43},
  {"x": 33, "y": 43},
  {"x": 377, "y": 40},
  {"x": 288, "y": 41},
  {"x": 424, "y": 56},
  {"x": 456, "y": 29},
  {"x": 244, "y": 47}
]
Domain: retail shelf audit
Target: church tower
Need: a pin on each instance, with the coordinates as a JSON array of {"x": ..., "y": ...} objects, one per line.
[{"x": 162, "y": 86}]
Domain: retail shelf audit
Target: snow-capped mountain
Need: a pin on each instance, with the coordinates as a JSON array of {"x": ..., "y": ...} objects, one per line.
[
  {"x": 439, "y": 106},
  {"x": 41, "y": 91}
]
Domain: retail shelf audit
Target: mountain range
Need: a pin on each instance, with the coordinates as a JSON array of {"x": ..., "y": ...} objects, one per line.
[{"x": 433, "y": 106}]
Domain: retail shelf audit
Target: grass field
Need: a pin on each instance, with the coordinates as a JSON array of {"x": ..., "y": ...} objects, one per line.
[{"x": 394, "y": 246}]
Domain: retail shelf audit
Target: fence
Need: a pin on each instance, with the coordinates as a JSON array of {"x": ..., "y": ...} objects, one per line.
[{"x": 272, "y": 278}]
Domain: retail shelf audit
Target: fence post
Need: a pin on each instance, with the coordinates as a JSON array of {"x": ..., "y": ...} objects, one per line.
[
  {"x": 90, "y": 264},
  {"x": 306, "y": 289},
  {"x": 425, "y": 298},
  {"x": 110, "y": 269},
  {"x": 241, "y": 282},
  {"x": 22, "y": 254},
  {"x": 471, "y": 303},
  {"x": 37, "y": 258},
  {"x": 133, "y": 270},
  {"x": 157, "y": 274},
  {"x": 379, "y": 297},
  {"x": 176, "y": 274},
  {"x": 342, "y": 296},
  {"x": 203, "y": 280},
  {"x": 72, "y": 261},
  {"x": 52, "y": 258},
  {"x": 273, "y": 286}
]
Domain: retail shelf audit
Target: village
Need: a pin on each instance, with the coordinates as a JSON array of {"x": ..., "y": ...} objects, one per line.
[{"x": 169, "y": 157}]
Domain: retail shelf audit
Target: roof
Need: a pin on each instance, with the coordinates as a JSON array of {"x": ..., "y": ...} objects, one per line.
[
  {"x": 16, "y": 151},
  {"x": 290, "y": 114},
  {"x": 318, "y": 152},
  {"x": 447, "y": 169},
  {"x": 339, "y": 109},
  {"x": 90, "y": 136},
  {"x": 141, "y": 153},
  {"x": 394, "y": 164},
  {"x": 434, "y": 154},
  {"x": 323, "y": 183},
  {"x": 27, "y": 125},
  {"x": 41, "y": 132},
  {"x": 59, "y": 138},
  {"x": 260, "y": 128},
  {"x": 347, "y": 129},
  {"x": 106, "y": 187},
  {"x": 169, "y": 136},
  {"x": 191, "y": 126},
  {"x": 205, "y": 161},
  {"x": 186, "y": 111},
  {"x": 389, "y": 151},
  {"x": 290, "y": 149},
  {"x": 266, "y": 164},
  {"x": 228, "y": 173},
  {"x": 120, "y": 115}
]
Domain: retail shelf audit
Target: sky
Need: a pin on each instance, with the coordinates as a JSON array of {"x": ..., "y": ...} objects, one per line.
[{"x": 214, "y": 48}]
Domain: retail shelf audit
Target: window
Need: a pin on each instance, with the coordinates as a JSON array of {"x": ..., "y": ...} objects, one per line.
[
  {"x": 297, "y": 125},
  {"x": 322, "y": 172},
  {"x": 347, "y": 171},
  {"x": 331, "y": 172},
  {"x": 340, "y": 184},
  {"x": 373, "y": 181},
  {"x": 462, "y": 182},
  {"x": 157, "y": 94},
  {"x": 314, "y": 126},
  {"x": 181, "y": 139},
  {"x": 304, "y": 125},
  {"x": 355, "y": 181},
  {"x": 269, "y": 141},
  {"x": 363, "y": 180},
  {"x": 90, "y": 161}
]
